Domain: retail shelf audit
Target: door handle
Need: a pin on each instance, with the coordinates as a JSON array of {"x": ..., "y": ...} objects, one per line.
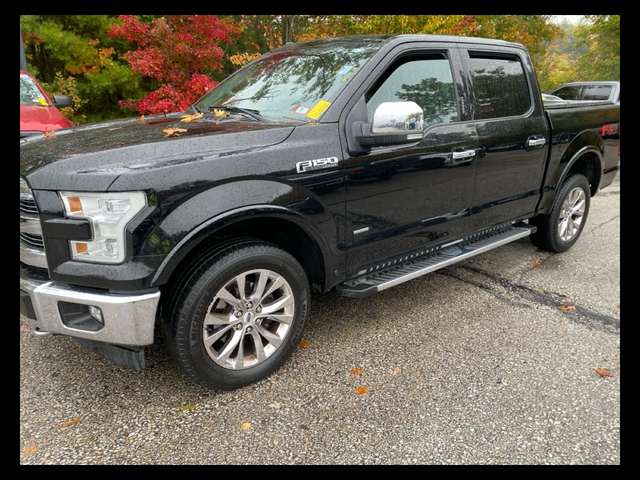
[
  {"x": 463, "y": 154},
  {"x": 536, "y": 141}
]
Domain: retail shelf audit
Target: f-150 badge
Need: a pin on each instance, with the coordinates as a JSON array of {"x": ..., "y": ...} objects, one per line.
[{"x": 316, "y": 164}]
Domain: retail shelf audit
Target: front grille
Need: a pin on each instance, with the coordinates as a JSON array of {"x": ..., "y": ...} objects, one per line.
[
  {"x": 31, "y": 242},
  {"x": 34, "y": 273},
  {"x": 28, "y": 204}
]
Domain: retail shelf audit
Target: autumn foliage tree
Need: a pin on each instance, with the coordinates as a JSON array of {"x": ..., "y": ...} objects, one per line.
[
  {"x": 179, "y": 52},
  {"x": 116, "y": 65},
  {"x": 73, "y": 55},
  {"x": 601, "y": 36}
]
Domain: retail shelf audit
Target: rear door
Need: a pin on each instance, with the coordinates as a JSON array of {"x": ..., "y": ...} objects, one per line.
[{"x": 512, "y": 134}]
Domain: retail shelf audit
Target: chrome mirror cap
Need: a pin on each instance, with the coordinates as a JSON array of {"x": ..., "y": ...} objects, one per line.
[{"x": 393, "y": 118}]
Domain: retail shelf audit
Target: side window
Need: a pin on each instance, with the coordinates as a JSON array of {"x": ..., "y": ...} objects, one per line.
[
  {"x": 568, "y": 93},
  {"x": 500, "y": 87},
  {"x": 426, "y": 81},
  {"x": 597, "y": 92}
]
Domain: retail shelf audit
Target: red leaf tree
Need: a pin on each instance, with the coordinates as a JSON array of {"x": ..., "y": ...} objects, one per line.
[{"x": 178, "y": 51}]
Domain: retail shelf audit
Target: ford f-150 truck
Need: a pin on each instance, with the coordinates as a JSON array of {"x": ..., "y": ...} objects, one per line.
[{"x": 352, "y": 163}]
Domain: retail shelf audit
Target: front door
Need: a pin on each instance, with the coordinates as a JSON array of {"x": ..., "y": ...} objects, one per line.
[{"x": 401, "y": 199}]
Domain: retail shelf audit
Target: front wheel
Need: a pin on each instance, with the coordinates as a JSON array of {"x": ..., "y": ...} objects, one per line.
[
  {"x": 560, "y": 229},
  {"x": 239, "y": 316}
]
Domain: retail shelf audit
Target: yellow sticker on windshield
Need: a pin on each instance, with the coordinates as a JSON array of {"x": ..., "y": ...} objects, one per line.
[{"x": 318, "y": 110}]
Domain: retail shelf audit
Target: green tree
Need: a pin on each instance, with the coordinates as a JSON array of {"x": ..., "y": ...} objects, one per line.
[
  {"x": 587, "y": 51},
  {"x": 73, "y": 54},
  {"x": 601, "y": 35},
  {"x": 532, "y": 31},
  {"x": 558, "y": 62}
]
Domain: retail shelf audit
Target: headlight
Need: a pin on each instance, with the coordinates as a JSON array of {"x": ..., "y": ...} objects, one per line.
[{"x": 109, "y": 214}]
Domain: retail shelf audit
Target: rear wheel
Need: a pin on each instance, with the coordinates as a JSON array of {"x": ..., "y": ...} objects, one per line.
[
  {"x": 239, "y": 316},
  {"x": 560, "y": 229}
]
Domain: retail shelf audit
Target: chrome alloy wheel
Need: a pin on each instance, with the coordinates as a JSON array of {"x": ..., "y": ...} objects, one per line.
[
  {"x": 248, "y": 319},
  {"x": 572, "y": 214}
]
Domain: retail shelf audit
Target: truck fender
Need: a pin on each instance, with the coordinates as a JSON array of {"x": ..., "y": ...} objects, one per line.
[
  {"x": 215, "y": 208},
  {"x": 584, "y": 155}
]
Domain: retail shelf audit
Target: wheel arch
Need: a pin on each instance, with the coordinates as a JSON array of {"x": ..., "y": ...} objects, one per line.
[
  {"x": 277, "y": 225},
  {"x": 584, "y": 155},
  {"x": 588, "y": 162}
]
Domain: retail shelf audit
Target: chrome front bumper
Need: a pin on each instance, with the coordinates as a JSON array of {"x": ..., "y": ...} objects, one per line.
[{"x": 127, "y": 319}]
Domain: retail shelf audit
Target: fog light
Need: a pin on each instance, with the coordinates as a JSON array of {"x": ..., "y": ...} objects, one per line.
[
  {"x": 96, "y": 313},
  {"x": 81, "y": 317}
]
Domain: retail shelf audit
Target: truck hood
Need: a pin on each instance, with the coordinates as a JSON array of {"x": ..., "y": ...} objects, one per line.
[{"x": 92, "y": 157}]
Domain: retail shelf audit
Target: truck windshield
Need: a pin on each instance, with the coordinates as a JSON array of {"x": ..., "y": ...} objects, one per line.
[{"x": 293, "y": 82}]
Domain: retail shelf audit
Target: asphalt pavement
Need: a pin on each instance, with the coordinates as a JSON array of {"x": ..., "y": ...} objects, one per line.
[{"x": 511, "y": 357}]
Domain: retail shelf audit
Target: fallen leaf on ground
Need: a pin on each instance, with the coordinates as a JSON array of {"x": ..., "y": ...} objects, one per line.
[
  {"x": 69, "y": 423},
  {"x": 141, "y": 119},
  {"x": 397, "y": 370},
  {"x": 30, "y": 450},
  {"x": 49, "y": 133},
  {"x": 568, "y": 308},
  {"x": 356, "y": 371},
  {"x": 245, "y": 426},
  {"x": 186, "y": 407},
  {"x": 537, "y": 262},
  {"x": 171, "y": 131},
  {"x": 361, "y": 390},
  {"x": 603, "y": 372},
  {"x": 304, "y": 344}
]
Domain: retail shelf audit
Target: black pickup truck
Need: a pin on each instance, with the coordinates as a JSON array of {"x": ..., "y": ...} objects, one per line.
[{"x": 353, "y": 163}]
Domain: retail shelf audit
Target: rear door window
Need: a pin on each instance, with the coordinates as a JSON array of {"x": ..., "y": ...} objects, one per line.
[{"x": 500, "y": 87}]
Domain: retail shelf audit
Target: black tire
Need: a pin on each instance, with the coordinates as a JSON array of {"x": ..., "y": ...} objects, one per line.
[
  {"x": 559, "y": 230},
  {"x": 223, "y": 339}
]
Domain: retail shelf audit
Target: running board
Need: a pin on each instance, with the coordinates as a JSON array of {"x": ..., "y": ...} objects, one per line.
[{"x": 388, "y": 277}]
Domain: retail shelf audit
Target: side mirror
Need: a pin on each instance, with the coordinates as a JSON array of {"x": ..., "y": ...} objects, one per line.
[
  {"x": 394, "y": 123},
  {"x": 61, "y": 101}
]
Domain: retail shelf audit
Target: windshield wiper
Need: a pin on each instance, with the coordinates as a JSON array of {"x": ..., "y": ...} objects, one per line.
[{"x": 255, "y": 114}]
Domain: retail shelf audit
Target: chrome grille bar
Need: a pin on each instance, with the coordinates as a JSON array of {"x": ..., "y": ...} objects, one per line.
[{"x": 31, "y": 242}]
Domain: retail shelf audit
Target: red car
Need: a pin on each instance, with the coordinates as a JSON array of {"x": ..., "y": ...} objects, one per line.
[{"x": 38, "y": 113}]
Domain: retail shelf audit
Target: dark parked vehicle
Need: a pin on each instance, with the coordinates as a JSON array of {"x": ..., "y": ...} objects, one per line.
[
  {"x": 353, "y": 163},
  {"x": 608, "y": 91}
]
